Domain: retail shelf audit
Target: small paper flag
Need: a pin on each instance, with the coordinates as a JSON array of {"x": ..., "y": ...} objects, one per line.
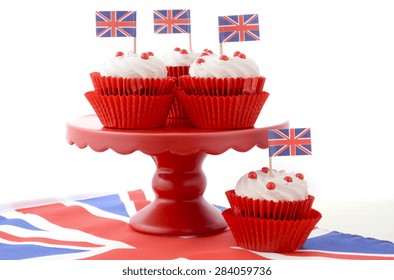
[
  {"x": 171, "y": 21},
  {"x": 238, "y": 28},
  {"x": 116, "y": 24},
  {"x": 289, "y": 142}
]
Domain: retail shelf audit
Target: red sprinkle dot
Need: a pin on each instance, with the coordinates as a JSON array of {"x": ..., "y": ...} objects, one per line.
[
  {"x": 252, "y": 175},
  {"x": 241, "y": 55},
  {"x": 223, "y": 57},
  {"x": 236, "y": 53},
  {"x": 265, "y": 169},
  {"x": 208, "y": 51},
  {"x": 151, "y": 54},
  {"x": 119, "y": 54},
  {"x": 271, "y": 186},
  {"x": 288, "y": 179},
  {"x": 145, "y": 56},
  {"x": 300, "y": 176},
  {"x": 183, "y": 51},
  {"x": 205, "y": 54},
  {"x": 177, "y": 49},
  {"x": 200, "y": 60}
]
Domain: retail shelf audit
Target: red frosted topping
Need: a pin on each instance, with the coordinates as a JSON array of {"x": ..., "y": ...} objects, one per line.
[
  {"x": 270, "y": 186},
  {"x": 177, "y": 49},
  {"x": 145, "y": 56},
  {"x": 151, "y": 54},
  {"x": 200, "y": 60},
  {"x": 204, "y": 54},
  {"x": 183, "y": 51},
  {"x": 119, "y": 54},
  {"x": 252, "y": 175},
  {"x": 223, "y": 57},
  {"x": 265, "y": 169},
  {"x": 288, "y": 179},
  {"x": 208, "y": 51},
  {"x": 300, "y": 176},
  {"x": 236, "y": 53},
  {"x": 241, "y": 55}
]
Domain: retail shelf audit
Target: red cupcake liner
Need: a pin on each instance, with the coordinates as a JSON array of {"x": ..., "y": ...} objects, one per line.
[
  {"x": 177, "y": 109},
  {"x": 107, "y": 85},
  {"x": 177, "y": 71},
  {"x": 223, "y": 112},
  {"x": 268, "y": 235},
  {"x": 221, "y": 86},
  {"x": 177, "y": 123},
  {"x": 130, "y": 111},
  {"x": 268, "y": 209}
]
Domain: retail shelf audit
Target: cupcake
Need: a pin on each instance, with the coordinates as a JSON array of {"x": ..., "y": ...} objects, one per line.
[
  {"x": 223, "y": 92},
  {"x": 178, "y": 61},
  {"x": 271, "y": 194},
  {"x": 132, "y": 91},
  {"x": 177, "y": 64},
  {"x": 269, "y": 235},
  {"x": 271, "y": 211}
]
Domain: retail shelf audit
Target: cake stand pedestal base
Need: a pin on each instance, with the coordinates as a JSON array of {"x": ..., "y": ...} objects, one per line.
[
  {"x": 179, "y": 208},
  {"x": 179, "y": 182}
]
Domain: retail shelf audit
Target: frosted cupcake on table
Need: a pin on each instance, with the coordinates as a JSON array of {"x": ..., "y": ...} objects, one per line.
[
  {"x": 271, "y": 194},
  {"x": 132, "y": 91},
  {"x": 223, "y": 92},
  {"x": 271, "y": 210}
]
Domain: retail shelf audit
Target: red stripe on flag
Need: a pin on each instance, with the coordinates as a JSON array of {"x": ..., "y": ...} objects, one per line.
[
  {"x": 77, "y": 217},
  {"x": 44, "y": 240},
  {"x": 139, "y": 199}
]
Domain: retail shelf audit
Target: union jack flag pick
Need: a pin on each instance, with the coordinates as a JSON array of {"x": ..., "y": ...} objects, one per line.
[
  {"x": 238, "y": 28},
  {"x": 171, "y": 21},
  {"x": 116, "y": 24},
  {"x": 289, "y": 142}
]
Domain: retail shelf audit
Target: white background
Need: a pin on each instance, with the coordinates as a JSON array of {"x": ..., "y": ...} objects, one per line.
[{"x": 329, "y": 66}]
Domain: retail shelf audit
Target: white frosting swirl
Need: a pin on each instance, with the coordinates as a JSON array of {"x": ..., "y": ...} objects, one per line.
[
  {"x": 256, "y": 188},
  {"x": 134, "y": 66},
  {"x": 224, "y": 67},
  {"x": 180, "y": 57}
]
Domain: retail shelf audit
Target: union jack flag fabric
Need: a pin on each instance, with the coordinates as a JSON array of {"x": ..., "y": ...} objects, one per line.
[
  {"x": 238, "y": 28},
  {"x": 116, "y": 24},
  {"x": 171, "y": 21},
  {"x": 97, "y": 227},
  {"x": 289, "y": 142}
]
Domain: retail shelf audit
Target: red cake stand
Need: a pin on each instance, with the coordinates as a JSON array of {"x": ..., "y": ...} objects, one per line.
[{"x": 178, "y": 150}]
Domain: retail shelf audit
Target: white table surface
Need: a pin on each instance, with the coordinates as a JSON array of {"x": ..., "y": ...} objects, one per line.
[{"x": 368, "y": 218}]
